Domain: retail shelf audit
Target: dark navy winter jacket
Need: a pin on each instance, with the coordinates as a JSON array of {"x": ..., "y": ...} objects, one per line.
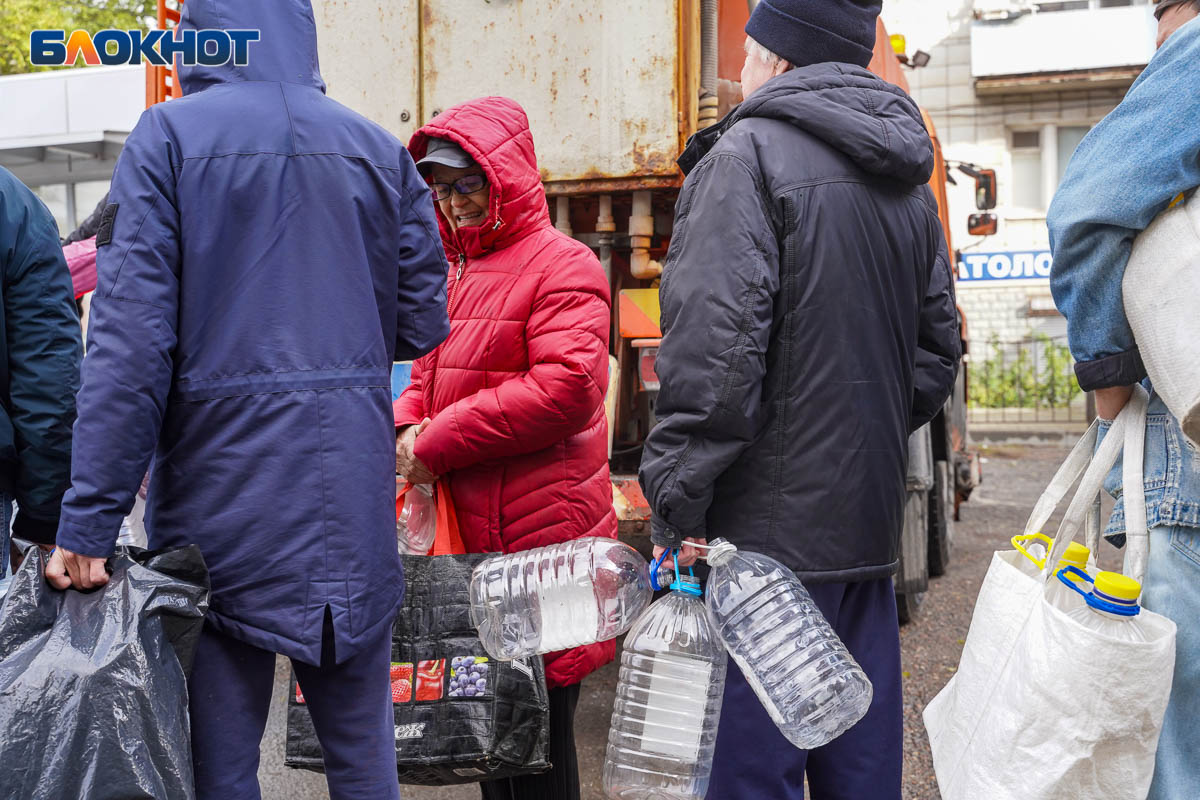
[
  {"x": 809, "y": 325},
  {"x": 271, "y": 253},
  {"x": 40, "y": 348}
]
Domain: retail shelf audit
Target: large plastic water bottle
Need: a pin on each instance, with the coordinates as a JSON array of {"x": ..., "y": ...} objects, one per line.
[
  {"x": 809, "y": 683},
  {"x": 1111, "y": 604},
  {"x": 557, "y": 597},
  {"x": 1057, "y": 593},
  {"x": 668, "y": 702},
  {"x": 416, "y": 521}
]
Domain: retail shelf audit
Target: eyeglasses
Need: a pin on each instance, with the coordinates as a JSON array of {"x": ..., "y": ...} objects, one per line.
[{"x": 469, "y": 184}]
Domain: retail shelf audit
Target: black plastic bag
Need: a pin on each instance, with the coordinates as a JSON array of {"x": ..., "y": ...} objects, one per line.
[
  {"x": 93, "y": 686},
  {"x": 489, "y": 721}
]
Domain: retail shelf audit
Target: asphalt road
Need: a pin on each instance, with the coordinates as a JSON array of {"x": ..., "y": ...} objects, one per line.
[{"x": 1014, "y": 479}]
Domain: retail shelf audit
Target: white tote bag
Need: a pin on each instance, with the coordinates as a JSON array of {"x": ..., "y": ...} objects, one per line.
[
  {"x": 1042, "y": 707},
  {"x": 1161, "y": 291}
]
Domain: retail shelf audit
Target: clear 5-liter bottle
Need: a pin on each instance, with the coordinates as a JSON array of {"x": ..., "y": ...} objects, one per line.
[
  {"x": 668, "y": 702},
  {"x": 557, "y": 597},
  {"x": 1111, "y": 606},
  {"x": 1058, "y": 594},
  {"x": 416, "y": 522},
  {"x": 809, "y": 683}
]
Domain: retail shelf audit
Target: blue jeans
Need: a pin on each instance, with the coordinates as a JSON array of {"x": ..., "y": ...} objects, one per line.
[{"x": 1171, "y": 587}]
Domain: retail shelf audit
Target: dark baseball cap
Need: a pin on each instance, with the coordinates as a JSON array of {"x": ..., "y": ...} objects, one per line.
[{"x": 446, "y": 153}]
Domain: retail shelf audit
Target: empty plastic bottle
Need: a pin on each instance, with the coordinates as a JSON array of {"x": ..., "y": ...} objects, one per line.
[
  {"x": 1057, "y": 593},
  {"x": 809, "y": 683},
  {"x": 557, "y": 597},
  {"x": 1111, "y": 605},
  {"x": 668, "y": 702},
  {"x": 416, "y": 519}
]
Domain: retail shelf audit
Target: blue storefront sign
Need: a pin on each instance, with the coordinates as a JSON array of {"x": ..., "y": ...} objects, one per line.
[{"x": 1018, "y": 265}]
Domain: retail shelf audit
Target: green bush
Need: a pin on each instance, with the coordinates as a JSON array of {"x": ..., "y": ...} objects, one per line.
[{"x": 1023, "y": 381}]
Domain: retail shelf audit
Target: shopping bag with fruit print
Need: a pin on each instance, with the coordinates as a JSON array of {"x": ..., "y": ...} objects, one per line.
[{"x": 460, "y": 716}]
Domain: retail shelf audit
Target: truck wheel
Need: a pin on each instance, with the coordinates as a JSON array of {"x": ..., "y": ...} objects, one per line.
[
  {"x": 912, "y": 579},
  {"x": 941, "y": 519}
]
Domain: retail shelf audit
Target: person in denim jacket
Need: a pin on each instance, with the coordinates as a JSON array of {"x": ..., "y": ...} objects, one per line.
[{"x": 1126, "y": 171}]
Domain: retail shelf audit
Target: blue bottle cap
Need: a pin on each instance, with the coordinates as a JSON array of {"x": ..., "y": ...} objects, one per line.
[{"x": 688, "y": 584}]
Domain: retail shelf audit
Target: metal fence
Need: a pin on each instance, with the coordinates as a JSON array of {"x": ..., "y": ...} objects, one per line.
[{"x": 1029, "y": 380}]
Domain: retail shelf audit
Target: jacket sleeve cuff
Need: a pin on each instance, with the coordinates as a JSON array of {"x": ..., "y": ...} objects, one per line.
[
  {"x": 404, "y": 413},
  {"x": 1122, "y": 369},
  {"x": 34, "y": 529},
  {"x": 87, "y": 541},
  {"x": 426, "y": 450},
  {"x": 663, "y": 535}
]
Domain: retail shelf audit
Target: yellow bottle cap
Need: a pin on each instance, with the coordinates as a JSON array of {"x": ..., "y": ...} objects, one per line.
[
  {"x": 1117, "y": 586},
  {"x": 1076, "y": 556}
]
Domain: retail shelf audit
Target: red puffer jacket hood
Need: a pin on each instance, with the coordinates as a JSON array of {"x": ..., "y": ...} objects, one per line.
[
  {"x": 495, "y": 132},
  {"x": 516, "y": 391}
]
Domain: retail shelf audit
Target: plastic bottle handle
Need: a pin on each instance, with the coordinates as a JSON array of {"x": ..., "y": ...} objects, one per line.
[
  {"x": 1021, "y": 539},
  {"x": 1074, "y": 585}
]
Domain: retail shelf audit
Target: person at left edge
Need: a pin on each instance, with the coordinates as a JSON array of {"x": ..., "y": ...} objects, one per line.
[
  {"x": 265, "y": 256},
  {"x": 39, "y": 369}
]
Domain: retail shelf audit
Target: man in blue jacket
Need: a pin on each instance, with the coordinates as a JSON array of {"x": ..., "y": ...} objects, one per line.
[
  {"x": 1124, "y": 174},
  {"x": 809, "y": 326},
  {"x": 265, "y": 255},
  {"x": 40, "y": 349}
]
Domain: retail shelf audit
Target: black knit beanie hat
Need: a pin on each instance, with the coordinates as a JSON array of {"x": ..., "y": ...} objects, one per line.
[{"x": 807, "y": 32}]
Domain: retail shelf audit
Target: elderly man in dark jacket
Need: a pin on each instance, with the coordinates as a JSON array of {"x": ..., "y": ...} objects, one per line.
[
  {"x": 40, "y": 348},
  {"x": 265, "y": 256},
  {"x": 809, "y": 326}
]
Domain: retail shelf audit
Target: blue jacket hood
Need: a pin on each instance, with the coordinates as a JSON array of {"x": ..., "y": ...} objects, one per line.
[
  {"x": 873, "y": 122},
  {"x": 286, "y": 51}
]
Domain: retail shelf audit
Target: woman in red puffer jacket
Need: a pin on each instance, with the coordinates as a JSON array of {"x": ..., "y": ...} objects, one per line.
[{"x": 509, "y": 410}]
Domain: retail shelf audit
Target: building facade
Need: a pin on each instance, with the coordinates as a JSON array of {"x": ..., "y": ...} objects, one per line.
[{"x": 1015, "y": 87}]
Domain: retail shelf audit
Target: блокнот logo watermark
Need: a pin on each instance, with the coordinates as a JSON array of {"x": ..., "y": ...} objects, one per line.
[{"x": 210, "y": 47}]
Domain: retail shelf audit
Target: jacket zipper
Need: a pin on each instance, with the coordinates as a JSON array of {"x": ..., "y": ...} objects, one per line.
[{"x": 462, "y": 265}]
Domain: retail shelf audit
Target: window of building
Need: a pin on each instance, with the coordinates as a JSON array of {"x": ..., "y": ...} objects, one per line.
[
  {"x": 1039, "y": 160},
  {"x": 1069, "y": 138},
  {"x": 1068, "y": 5},
  {"x": 1078, "y": 5},
  {"x": 1027, "y": 170}
]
